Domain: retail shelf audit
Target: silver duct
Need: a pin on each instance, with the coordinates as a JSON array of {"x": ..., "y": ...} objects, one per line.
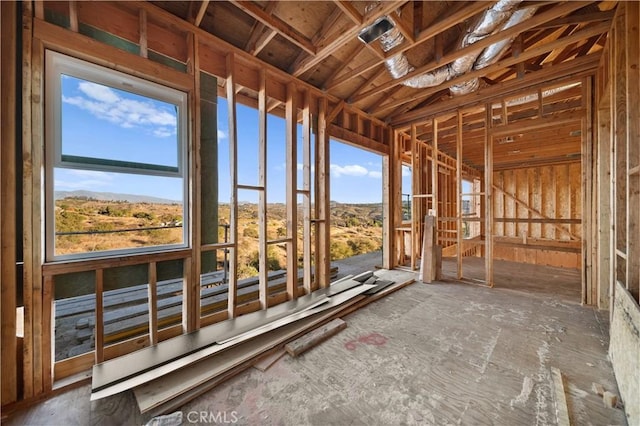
[
  {"x": 492, "y": 53},
  {"x": 492, "y": 20}
]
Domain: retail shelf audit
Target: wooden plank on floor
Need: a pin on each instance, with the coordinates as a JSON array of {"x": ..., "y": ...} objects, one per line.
[
  {"x": 269, "y": 359},
  {"x": 562, "y": 412},
  {"x": 162, "y": 394},
  {"x": 314, "y": 338}
]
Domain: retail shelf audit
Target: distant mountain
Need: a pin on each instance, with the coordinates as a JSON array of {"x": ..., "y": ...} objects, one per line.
[{"x": 111, "y": 196}]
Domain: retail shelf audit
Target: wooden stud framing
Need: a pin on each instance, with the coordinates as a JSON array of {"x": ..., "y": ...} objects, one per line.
[
  {"x": 588, "y": 284},
  {"x": 143, "y": 33},
  {"x": 291, "y": 192},
  {"x": 391, "y": 166},
  {"x": 8, "y": 202},
  {"x": 73, "y": 16},
  {"x": 415, "y": 220},
  {"x": 444, "y": 200},
  {"x": 459, "y": 196},
  {"x": 488, "y": 196},
  {"x": 262, "y": 195},
  {"x": 191, "y": 289},
  {"x": 306, "y": 194},
  {"x": 434, "y": 172},
  {"x": 322, "y": 174},
  {"x": 632, "y": 50}
]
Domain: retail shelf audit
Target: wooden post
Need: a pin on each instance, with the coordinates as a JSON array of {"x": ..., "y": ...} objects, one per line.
[
  {"x": 73, "y": 16},
  {"x": 306, "y": 193},
  {"x": 233, "y": 170},
  {"x": 435, "y": 196},
  {"x": 488, "y": 195},
  {"x": 459, "y": 196},
  {"x": 415, "y": 220},
  {"x": 8, "y": 278},
  {"x": 143, "y": 34},
  {"x": 263, "y": 271},
  {"x": 391, "y": 166},
  {"x": 322, "y": 162},
  {"x": 191, "y": 290},
  {"x": 588, "y": 283},
  {"x": 292, "y": 191},
  {"x": 632, "y": 49}
]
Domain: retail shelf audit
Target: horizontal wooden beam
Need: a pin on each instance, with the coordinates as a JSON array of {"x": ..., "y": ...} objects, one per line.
[
  {"x": 362, "y": 141},
  {"x": 83, "y": 47},
  {"x": 538, "y": 123}
]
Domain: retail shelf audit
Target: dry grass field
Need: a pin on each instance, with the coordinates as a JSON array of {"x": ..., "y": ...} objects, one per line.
[{"x": 89, "y": 225}]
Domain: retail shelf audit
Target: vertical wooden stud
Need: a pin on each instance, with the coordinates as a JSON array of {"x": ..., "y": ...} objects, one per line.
[
  {"x": 8, "y": 202},
  {"x": 73, "y": 16},
  {"x": 143, "y": 34},
  {"x": 459, "y": 196},
  {"x": 291, "y": 192},
  {"x": 435, "y": 196},
  {"x": 389, "y": 166},
  {"x": 48, "y": 333},
  {"x": 415, "y": 220},
  {"x": 306, "y": 194},
  {"x": 27, "y": 206},
  {"x": 191, "y": 291},
  {"x": 488, "y": 195},
  {"x": 322, "y": 175},
  {"x": 632, "y": 50}
]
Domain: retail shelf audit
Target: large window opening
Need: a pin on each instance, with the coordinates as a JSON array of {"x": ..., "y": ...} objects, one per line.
[
  {"x": 356, "y": 202},
  {"x": 116, "y": 174}
]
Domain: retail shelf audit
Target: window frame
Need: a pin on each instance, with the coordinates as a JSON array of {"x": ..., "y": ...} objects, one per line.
[{"x": 58, "y": 64}]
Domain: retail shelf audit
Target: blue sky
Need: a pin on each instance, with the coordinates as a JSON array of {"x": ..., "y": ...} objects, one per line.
[{"x": 103, "y": 122}]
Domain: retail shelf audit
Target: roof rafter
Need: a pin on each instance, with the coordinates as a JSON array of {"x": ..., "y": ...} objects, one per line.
[
  {"x": 344, "y": 34},
  {"x": 350, "y": 11},
  {"x": 275, "y": 23},
  {"x": 261, "y": 35}
]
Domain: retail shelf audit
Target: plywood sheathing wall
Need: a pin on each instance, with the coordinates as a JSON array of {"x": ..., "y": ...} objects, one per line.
[
  {"x": 539, "y": 207},
  {"x": 618, "y": 173}
]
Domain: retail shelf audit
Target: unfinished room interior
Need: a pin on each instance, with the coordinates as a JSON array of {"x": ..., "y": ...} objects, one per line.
[{"x": 175, "y": 248}]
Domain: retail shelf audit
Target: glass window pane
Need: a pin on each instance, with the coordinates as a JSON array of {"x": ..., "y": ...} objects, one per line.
[
  {"x": 104, "y": 123},
  {"x": 99, "y": 211}
]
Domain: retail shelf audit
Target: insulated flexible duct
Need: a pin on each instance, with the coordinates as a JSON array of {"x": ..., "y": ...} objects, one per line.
[{"x": 501, "y": 15}]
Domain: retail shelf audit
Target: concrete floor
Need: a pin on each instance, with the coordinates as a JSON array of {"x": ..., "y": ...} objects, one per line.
[{"x": 445, "y": 353}]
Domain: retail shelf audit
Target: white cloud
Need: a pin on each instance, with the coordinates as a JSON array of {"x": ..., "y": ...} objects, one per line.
[
  {"x": 406, "y": 171},
  {"x": 348, "y": 170},
  {"x": 83, "y": 179},
  {"x": 222, "y": 135},
  {"x": 105, "y": 104},
  {"x": 375, "y": 174},
  {"x": 163, "y": 132}
]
